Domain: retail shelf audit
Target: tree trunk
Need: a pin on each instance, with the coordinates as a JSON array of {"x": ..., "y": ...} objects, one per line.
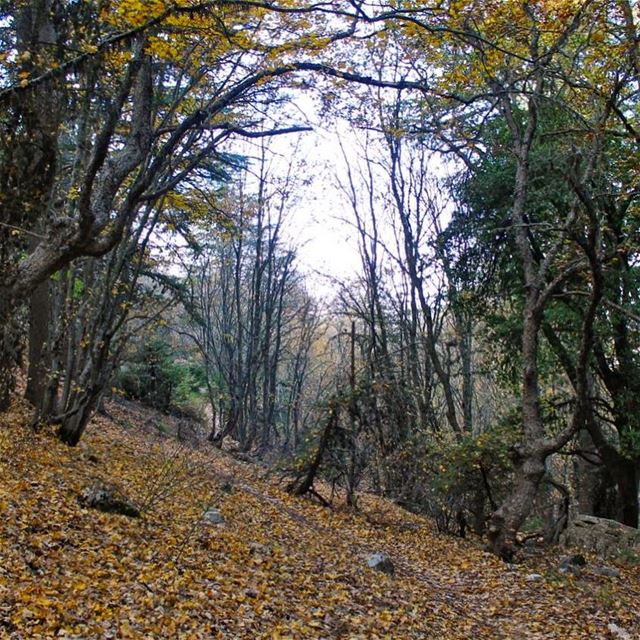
[
  {"x": 230, "y": 427},
  {"x": 507, "y": 520},
  {"x": 72, "y": 428},
  {"x": 28, "y": 137},
  {"x": 39, "y": 317},
  {"x": 214, "y": 418},
  {"x": 9, "y": 352},
  {"x": 303, "y": 484},
  {"x": 596, "y": 493},
  {"x": 625, "y": 473},
  {"x": 626, "y": 476},
  {"x": 529, "y": 458}
]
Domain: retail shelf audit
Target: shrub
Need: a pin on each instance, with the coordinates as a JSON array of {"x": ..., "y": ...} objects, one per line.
[
  {"x": 149, "y": 374},
  {"x": 453, "y": 481}
]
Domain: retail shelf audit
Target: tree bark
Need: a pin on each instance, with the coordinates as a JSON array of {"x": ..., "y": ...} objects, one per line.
[
  {"x": 625, "y": 473},
  {"x": 626, "y": 476},
  {"x": 9, "y": 352},
  {"x": 303, "y": 485},
  {"x": 39, "y": 317},
  {"x": 508, "y": 519}
]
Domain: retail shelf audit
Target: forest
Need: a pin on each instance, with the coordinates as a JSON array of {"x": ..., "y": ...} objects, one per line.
[{"x": 479, "y": 370}]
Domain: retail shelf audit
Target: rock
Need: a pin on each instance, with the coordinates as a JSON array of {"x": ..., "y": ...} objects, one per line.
[
  {"x": 532, "y": 542},
  {"x": 230, "y": 445},
  {"x": 259, "y": 549},
  {"x": 381, "y": 562},
  {"x": 108, "y": 499},
  {"x": 572, "y": 564},
  {"x": 610, "y": 572},
  {"x": 533, "y": 577},
  {"x": 212, "y": 516},
  {"x": 618, "y": 632},
  {"x": 606, "y": 538},
  {"x": 576, "y": 560}
]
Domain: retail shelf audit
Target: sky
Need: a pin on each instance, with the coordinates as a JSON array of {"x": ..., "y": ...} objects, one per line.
[
  {"x": 319, "y": 223},
  {"x": 316, "y": 222},
  {"x": 327, "y": 248}
]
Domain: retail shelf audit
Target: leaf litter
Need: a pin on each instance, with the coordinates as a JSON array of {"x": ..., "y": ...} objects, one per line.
[{"x": 277, "y": 568}]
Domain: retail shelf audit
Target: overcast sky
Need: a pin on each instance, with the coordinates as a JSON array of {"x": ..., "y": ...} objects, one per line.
[{"x": 315, "y": 222}]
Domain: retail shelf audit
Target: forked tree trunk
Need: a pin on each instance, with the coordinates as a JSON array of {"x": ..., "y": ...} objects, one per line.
[
  {"x": 83, "y": 405},
  {"x": 509, "y": 518},
  {"x": 72, "y": 429},
  {"x": 530, "y": 456}
]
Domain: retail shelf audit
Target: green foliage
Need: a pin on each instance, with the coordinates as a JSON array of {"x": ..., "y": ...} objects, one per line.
[
  {"x": 629, "y": 557},
  {"x": 450, "y": 479},
  {"x": 533, "y": 523},
  {"x": 78, "y": 288},
  {"x": 154, "y": 375},
  {"x": 630, "y": 438},
  {"x": 162, "y": 427},
  {"x": 191, "y": 379},
  {"x": 150, "y": 375}
]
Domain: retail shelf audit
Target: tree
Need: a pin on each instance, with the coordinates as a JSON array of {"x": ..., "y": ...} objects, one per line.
[
  {"x": 249, "y": 315},
  {"x": 542, "y": 55},
  {"x": 144, "y": 101},
  {"x": 96, "y": 306}
]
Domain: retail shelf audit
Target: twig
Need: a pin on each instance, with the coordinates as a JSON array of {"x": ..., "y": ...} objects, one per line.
[{"x": 21, "y": 230}]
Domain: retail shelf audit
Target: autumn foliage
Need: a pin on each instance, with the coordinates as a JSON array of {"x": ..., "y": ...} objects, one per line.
[
  {"x": 279, "y": 567},
  {"x": 485, "y": 357}
]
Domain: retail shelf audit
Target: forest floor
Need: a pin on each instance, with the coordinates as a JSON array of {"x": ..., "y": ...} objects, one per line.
[{"x": 278, "y": 567}]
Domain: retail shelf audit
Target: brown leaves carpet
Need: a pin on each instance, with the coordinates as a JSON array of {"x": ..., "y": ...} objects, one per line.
[{"x": 278, "y": 567}]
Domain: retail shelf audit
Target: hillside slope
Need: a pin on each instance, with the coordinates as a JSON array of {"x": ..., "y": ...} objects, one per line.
[{"x": 277, "y": 568}]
